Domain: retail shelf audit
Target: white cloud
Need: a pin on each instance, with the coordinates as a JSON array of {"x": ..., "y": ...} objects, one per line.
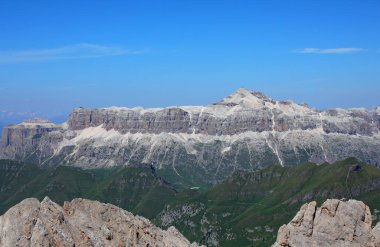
[
  {"x": 349, "y": 50},
  {"x": 77, "y": 51}
]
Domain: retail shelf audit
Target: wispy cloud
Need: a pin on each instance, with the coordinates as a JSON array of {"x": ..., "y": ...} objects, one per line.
[
  {"x": 349, "y": 50},
  {"x": 77, "y": 51},
  {"x": 6, "y": 113}
]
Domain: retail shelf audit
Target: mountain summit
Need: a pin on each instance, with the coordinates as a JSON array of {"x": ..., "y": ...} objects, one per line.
[{"x": 245, "y": 98}]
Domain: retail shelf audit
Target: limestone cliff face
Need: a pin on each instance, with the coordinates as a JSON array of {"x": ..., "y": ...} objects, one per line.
[
  {"x": 245, "y": 130},
  {"x": 335, "y": 223},
  {"x": 27, "y": 133},
  {"x": 20, "y": 140},
  {"x": 238, "y": 113},
  {"x": 81, "y": 223}
]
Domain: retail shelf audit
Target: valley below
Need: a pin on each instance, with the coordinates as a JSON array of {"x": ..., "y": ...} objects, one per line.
[{"x": 246, "y": 209}]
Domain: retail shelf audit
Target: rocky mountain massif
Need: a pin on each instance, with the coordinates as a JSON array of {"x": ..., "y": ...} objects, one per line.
[
  {"x": 81, "y": 223},
  {"x": 201, "y": 144},
  {"x": 335, "y": 223}
]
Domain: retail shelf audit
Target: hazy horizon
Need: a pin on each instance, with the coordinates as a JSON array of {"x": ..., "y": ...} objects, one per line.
[{"x": 58, "y": 56}]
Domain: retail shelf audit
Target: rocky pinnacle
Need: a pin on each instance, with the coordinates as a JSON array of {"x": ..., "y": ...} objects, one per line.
[{"x": 335, "y": 223}]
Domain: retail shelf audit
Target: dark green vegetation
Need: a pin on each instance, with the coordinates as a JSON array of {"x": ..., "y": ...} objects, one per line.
[
  {"x": 248, "y": 208},
  {"x": 136, "y": 189},
  {"x": 244, "y": 210}
]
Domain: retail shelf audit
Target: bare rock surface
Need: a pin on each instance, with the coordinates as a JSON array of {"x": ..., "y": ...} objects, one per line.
[
  {"x": 81, "y": 223},
  {"x": 335, "y": 223},
  {"x": 244, "y": 131}
]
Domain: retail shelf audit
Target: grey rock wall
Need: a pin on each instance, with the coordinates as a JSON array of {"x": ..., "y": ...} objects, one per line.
[
  {"x": 81, "y": 223},
  {"x": 245, "y": 130},
  {"x": 335, "y": 223}
]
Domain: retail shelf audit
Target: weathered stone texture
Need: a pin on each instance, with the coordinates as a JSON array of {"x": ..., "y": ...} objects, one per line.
[
  {"x": 335, "y": 223},
  {"x": 81, "y": 223}
]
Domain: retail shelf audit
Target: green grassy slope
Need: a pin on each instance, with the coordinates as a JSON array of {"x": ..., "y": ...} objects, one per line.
[
  {"x": 244, "y": 210},
  {"x": 137, "y": 189},
  {"x": 248, "y": 208}
]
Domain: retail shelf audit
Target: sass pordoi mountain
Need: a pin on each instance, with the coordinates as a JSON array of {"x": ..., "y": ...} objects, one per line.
[{"x": 205, "y": 144}]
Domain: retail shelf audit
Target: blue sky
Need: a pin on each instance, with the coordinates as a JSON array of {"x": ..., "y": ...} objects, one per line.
[{"x": 57, "y": 55}]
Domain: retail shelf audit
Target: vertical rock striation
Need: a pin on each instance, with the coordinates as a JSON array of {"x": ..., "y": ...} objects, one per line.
[
  {"x": 245, "y": 130},
  {"x": 335, "y": 223}
]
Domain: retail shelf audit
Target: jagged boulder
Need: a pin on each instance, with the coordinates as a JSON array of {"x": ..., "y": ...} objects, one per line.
[
  {"x": 335, "y": 223},
  {"x": 81, "y": 223}
]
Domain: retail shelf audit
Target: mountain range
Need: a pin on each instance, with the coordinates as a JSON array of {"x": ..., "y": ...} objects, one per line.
[
  {"x": 199, "y": 145},
  {"x": 227, "y": 174}
]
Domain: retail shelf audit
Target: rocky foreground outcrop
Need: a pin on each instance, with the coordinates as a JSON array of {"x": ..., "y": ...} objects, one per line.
[
  {"x": 335, "y": 223},
  {"x": 81, "y": 223}
]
